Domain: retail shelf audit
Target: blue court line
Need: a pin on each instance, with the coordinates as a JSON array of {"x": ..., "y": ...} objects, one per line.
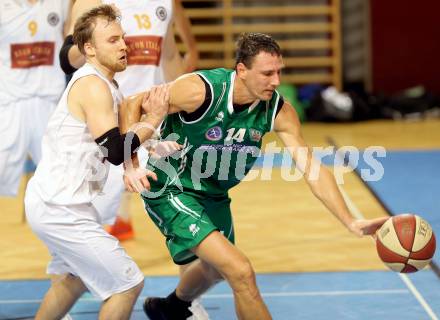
[{"x": 317, "y": 296}]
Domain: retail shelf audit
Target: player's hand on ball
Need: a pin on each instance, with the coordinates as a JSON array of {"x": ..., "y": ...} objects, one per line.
[
  {"x": 363, "y": 227},
  {"x": 136, "y": 179}
]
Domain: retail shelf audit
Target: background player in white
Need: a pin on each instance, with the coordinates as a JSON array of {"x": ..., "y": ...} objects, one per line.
[
  {"x": 81, "y": 139},
  {"x": 31, "y": 81},
  {"x": 153, "y": 59}
]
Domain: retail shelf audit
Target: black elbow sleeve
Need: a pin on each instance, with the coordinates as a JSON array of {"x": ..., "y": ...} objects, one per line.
[
  {"x": 64, "y": 55},
  {"x": 112, "y": 145}
]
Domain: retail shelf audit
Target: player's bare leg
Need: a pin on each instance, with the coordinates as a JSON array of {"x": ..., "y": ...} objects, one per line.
[
  {"x": 64, "y": 291},
  {"x": 216, "y": 251},
  {"x": 119, "y": 306},
  {"x": 218, "y": 259},
  {"x": 198, "y": 310},
  {"x": 197, "y": 278}
]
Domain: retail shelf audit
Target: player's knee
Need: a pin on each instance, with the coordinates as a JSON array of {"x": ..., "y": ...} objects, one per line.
[{"x": 241, "y": 275}]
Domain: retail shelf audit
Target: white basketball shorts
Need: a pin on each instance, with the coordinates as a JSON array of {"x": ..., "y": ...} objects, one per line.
[{"x": 80, "y": 246}]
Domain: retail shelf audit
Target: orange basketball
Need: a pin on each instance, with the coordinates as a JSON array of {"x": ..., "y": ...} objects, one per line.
[{"x": 405, "y": 243}]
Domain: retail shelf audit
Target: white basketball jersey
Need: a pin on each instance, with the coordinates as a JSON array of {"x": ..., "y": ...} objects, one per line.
[
  {"x": 72, "y": 169},
  {"x": 146, "y": 24},
  {"x": 30, "y": 38}
]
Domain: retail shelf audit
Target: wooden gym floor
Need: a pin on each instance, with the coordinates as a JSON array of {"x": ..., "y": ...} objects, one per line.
[{"x": 279, "y": 224}]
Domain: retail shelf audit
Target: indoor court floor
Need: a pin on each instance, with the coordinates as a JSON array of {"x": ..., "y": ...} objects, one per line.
[{"x": 308, "y": 265}]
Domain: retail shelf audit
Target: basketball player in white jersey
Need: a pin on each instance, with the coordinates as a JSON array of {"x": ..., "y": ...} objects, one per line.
[
  {"x": 152, "y": 59},
  {"x": 81, "y": 139},
  {"x": 31, "y": 81}
]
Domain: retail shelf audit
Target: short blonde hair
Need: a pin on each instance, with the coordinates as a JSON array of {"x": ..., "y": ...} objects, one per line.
[{"x": 84, "y": 26}]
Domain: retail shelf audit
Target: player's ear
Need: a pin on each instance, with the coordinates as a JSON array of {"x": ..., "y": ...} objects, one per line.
[
  {"x": 89, "y": 49},
  {"x": 241, "y": 70}
]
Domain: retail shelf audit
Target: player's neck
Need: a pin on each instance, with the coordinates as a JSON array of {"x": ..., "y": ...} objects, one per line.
[
  {"x": 104, "y": 71},
  {"x": 241, "y": 95}
]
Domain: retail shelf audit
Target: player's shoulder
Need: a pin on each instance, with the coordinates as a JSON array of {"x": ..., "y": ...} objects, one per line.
[
  {"x": 90, "y": 81},
  {"x": 91, "y": 87},
  {"x": 219, "y": 74}
]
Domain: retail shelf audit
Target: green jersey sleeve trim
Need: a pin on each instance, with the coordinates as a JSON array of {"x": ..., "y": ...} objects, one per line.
[{"x": 274, "y": 112}]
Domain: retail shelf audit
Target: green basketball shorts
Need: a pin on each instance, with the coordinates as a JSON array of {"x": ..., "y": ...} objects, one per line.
[{"x": 185, "y": 219}]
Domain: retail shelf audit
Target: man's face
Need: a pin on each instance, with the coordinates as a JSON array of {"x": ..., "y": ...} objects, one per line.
[
  {"x": 263, "y": 76},
  {"x": 109, "y": 46}
]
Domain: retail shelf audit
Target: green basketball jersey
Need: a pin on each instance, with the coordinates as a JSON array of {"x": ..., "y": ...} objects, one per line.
[{"x": 220, "y": 147}]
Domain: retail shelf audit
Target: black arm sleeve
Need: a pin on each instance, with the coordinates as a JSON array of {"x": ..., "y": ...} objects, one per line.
[
  {"x": 112, "y": 144},
  {"x": 64, "y": 55}
]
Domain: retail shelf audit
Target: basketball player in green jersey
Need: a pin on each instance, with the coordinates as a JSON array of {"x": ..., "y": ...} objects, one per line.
[{"x": 220, "y": 117}]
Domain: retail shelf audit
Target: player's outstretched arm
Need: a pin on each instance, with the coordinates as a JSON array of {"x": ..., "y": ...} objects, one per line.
[{"x": 320, "y": 180}]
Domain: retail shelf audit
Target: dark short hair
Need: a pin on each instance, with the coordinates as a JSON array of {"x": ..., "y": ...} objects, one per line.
[
  {"x": 85, "y": 24},
  {"x": 251, "y": 44}
]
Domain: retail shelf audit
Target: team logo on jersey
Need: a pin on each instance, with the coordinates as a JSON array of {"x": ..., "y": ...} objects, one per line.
[
  {"x": 220, "y": 116},
  {"x": 53, "y": 19},
  {"x": 193, "y": 228},
  {"x": 161, "y": 13},
  {"x": 255, "y": 134},
  {"x": 214, "y": 133}
]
